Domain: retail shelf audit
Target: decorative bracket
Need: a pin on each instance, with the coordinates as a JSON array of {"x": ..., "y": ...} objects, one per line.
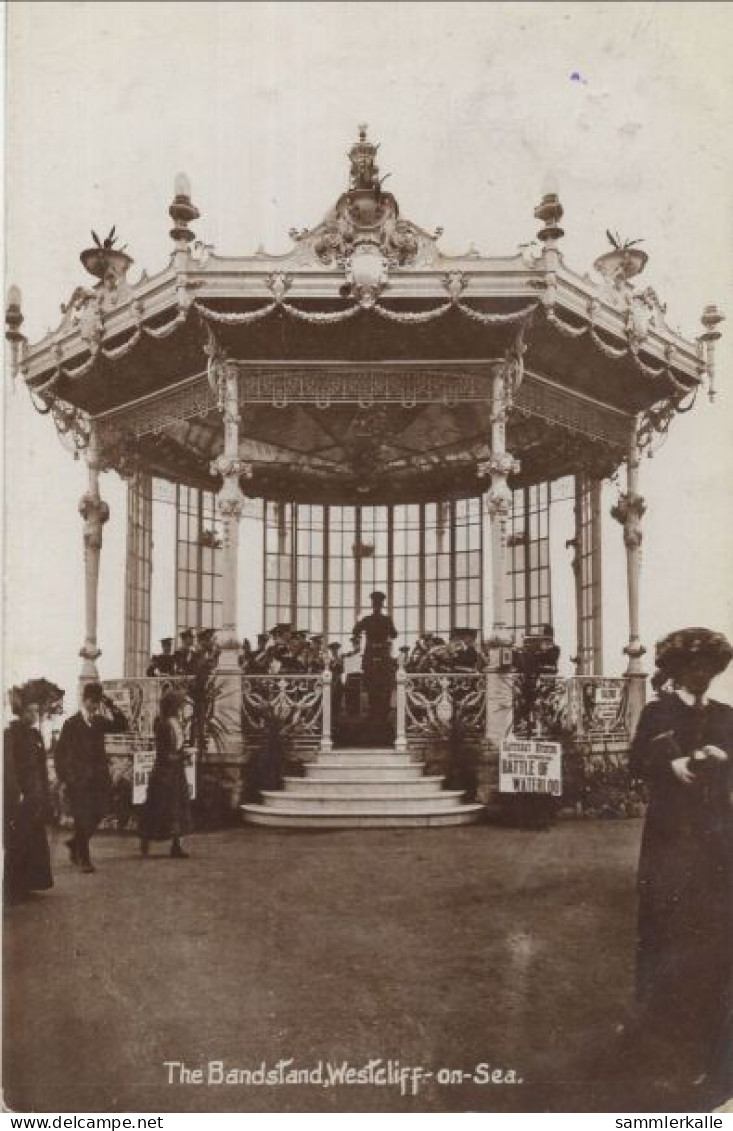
[{"x": 455, "y": 283}]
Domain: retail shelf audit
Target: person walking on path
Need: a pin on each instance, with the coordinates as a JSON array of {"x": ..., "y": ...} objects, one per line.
[
  {"x": 683, "y": 751},
  {"x": 27, "y": 865},
  {"x": 81, "y": 766},
  {"x": 167, "y": 811}
]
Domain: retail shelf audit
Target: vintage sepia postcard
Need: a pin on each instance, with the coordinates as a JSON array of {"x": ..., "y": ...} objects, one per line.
[{"x": 367, "y": 553}]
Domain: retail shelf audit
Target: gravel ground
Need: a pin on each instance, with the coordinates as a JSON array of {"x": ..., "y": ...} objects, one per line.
[{"x": 435, "y": 948}]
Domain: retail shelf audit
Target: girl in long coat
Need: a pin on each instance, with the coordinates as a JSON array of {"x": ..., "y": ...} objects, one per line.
[
  {"x": 26, "y": 801},
  {"x": 167, "y": 811},
  {"x": 683, "y": 750}
]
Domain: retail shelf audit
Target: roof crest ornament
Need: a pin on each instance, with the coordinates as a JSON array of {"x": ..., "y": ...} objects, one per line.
[{"x": 366, "y": 215}]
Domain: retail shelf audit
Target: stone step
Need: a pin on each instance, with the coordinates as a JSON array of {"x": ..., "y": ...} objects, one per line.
[
  {"x": 363, "y": 787},
  {"x": 347, "y": 750},
  {"x": 314, "y": 771},
  {"x": 299, "y": 818},
  {"x": 364, "y": 758},
  {"x": 407, "y": 804}
]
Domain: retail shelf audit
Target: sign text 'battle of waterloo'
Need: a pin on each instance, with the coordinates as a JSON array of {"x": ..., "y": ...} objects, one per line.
[{"x": 530, "y": 766}]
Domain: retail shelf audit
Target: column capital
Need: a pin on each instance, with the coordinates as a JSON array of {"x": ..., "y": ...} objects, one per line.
[
  {"x": 498, "y": 463},
  {"x": 629, "y": 511},
  {"x": 230, "y": 467},
  {"x": 95, "y": 513},
  {"x": 92, "y": 508}
]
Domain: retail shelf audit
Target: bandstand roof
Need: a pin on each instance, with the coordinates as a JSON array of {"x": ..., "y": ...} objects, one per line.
[{"x": 365, "y": 356}]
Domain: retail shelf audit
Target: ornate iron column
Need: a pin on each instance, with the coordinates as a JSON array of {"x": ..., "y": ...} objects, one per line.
[
  {"x": 95, "y": 513},
  {"x": 629, "y": 511},
  {"x": 499, "y": 466},
  {"x": 230, "y": 503}
]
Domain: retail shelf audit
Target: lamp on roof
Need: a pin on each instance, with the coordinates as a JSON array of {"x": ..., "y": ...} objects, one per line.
[
  {"x": 13, "y": 314},
  {"x": 13, "y": 323},
  {"x": 550, "y": 211},
  {"x": 182, "y": 211},
  {"x": 711, "y": 319}
]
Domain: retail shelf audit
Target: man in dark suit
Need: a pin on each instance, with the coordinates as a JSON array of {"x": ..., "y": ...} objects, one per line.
[{"x": 81, "y": 765}]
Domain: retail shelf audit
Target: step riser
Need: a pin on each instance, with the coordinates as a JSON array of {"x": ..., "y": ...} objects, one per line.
[
  {"x": 365, "y": 805},
  {"x": 466, "y": 815},
  {"x": 347, "y": 751},
  {"x": 428, "y": 786},
  {"x": 362, "y": 773},
  {"x": 366, "y": 759}
]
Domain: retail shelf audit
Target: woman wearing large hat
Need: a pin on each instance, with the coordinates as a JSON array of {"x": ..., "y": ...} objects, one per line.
[
  {"x": 683, "y": 751},
  {"x": 27, "y": 865}
]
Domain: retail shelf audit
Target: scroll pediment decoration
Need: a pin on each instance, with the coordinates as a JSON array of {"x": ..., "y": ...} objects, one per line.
[{"x": 366, "y": 215}]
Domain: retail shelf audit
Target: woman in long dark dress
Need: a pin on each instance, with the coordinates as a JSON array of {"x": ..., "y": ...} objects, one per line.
[
  {"x": 167, "y": 811},
  {"x": 683, "y": 750},
  {"x": 27, "y": 865}
]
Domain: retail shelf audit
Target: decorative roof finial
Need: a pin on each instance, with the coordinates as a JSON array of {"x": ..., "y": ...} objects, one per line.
[
  {"x": 106, "y": 262},
  {"x": 711, "y": 319},
  {"x": 182, "y": 212},
  {"x": 364, "y": 172},
  {"x": 622, "y": 263}
]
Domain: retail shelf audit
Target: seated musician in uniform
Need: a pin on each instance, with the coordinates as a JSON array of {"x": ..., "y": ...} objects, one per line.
[
  {"x": 185, "y": 656},
  {"x": 165, "y": 662}
]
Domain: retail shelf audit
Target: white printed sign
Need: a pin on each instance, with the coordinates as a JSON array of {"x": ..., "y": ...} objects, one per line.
[
  {"x": 530, "y": 765},
  {"x": 142, "y": 766}
]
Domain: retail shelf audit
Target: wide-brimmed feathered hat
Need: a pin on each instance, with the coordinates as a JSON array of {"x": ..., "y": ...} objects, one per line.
[
  {"x": 679, "y": 649},
  {"x": 46, "y": 695}
]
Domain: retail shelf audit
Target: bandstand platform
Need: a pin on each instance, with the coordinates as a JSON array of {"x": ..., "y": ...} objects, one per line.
[{"x": 399, "y": 415}]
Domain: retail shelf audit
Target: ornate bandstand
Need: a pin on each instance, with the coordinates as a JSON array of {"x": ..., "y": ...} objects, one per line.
[{"x": 399, "y": 416}]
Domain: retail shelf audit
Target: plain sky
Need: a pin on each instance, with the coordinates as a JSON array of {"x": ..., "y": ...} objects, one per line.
[{"x": 628, "y": 105}]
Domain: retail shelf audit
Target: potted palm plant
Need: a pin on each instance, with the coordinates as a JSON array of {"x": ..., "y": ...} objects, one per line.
[
  {"x": 623, "y": 262},
  {"x": 106, "y": 262}
]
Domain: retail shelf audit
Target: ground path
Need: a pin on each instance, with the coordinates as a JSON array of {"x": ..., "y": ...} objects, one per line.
[{"x": 438, "y": 948}]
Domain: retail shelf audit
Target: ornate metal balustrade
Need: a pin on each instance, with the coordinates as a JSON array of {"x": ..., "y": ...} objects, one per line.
[
  {"x": 295, "y": 707},
  {"x": 139, "y": 700},
  {"x": 435, "y": 702},
  {"x": 597, "y": 709},
  {"x": 591, "y": 709}
]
